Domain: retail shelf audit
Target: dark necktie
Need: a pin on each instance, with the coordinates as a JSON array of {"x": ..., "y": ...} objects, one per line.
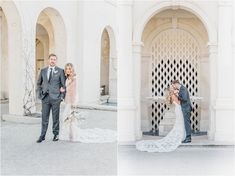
[{"x": 50, "y": 76}]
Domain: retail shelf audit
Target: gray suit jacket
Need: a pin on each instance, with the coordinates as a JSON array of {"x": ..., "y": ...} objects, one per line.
[
  {"x": 52, "y": 87},
  {"x": 185, "y": 99}
]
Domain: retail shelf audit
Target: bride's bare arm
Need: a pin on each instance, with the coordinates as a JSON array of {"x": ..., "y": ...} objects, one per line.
[{"x": 175, "y": 98}]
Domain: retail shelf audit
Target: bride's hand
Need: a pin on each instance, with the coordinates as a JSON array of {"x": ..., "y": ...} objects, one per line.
[
  {"x": 62, "y": 90},
  {"x": 176, "y": 92}
]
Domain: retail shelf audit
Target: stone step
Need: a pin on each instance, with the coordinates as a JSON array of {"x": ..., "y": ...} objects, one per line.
[
  {"x": 163, "y": 134},
  {"x": 164, "y": 130},
  {"x": 197, "y": 141},
  {"x": 166, "y": 127},
  {"x": 169, "y": 115},
  {"x": 167, "y": 122}
]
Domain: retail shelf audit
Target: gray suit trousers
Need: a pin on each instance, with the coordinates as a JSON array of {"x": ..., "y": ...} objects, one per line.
[{"x": 49, "y": 104}]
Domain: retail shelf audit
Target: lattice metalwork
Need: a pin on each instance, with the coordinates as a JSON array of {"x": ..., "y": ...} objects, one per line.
[{"x": 175, "y": 55}]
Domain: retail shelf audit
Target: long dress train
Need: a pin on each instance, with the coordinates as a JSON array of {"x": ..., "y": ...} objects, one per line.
[
  {"x": 71, "y": 122},
  {"x": 171, "y": 141}
]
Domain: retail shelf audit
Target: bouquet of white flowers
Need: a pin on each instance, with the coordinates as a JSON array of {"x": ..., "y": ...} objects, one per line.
[{"x": 76, "y": 116}]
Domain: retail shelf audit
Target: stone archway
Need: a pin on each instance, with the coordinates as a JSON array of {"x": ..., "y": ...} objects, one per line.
[
  {"x": 138, "y": 40},
  {"x": 176, "y": 48},
  {"x": 188, "y": 6},
  {"x": 108, "y": 66},
  {"x": 51, "y": 32}
]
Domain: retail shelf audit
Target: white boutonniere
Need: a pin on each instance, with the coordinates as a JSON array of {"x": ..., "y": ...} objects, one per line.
[{"x": 55, "y": 71}]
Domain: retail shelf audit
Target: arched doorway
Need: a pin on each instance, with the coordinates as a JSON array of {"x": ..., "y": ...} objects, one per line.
[
  {"x": 50, "y": 38},
  {"x": 42, "y": 48},
  {"x": 175, "y": 47},
  {"x": 108, "y": 67},
  {"x": 104, "y": 65}
]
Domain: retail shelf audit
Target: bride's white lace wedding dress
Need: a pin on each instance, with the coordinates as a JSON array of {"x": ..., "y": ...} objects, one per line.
[
  {"x": 70, "y": 125},
  {"x": 171, "y": 141}
]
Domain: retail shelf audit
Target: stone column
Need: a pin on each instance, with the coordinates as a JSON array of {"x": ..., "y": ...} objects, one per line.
[
  {"x": 204, "y": 89},
  {"x": 137, "y": 47},
  {"x": 146, "y": 104},
  {"x": 29, "y": 81},
  {"x": 233, "y": 49},
  {"x": 15, "y": 71},
  {"x": 126, "y": 106},
  {"x": 113, "y": 78},
  {"x": 213, "y": 52},
  {"x": 224, "y": 107}
]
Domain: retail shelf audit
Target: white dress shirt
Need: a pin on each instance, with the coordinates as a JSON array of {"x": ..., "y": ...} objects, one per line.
[{"x": 49, "y": 70}]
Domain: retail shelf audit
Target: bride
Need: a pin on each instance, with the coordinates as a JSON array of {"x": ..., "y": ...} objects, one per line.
[
  {"x": 70, "y": 130},
  {"x": 174, "y": 137}
]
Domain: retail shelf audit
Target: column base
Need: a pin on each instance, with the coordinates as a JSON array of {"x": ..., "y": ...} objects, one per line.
[
  {"x": 224, "y": 136},
  {"x": 211, "y": 135},
  {"x": 139, "y": 135},
  {"x": 224, "y": 121},
  {"x": 126, "y": 121}
]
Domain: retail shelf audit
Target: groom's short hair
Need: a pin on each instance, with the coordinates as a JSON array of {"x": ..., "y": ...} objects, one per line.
[
  {"x": 175, "y": 82},
  {"x": 52, "y": 55}
]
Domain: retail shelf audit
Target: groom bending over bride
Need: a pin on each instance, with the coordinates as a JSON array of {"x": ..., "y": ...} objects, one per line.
[
  {"x": 50, "y": 80},
  {"x": 183, "y": 96}
]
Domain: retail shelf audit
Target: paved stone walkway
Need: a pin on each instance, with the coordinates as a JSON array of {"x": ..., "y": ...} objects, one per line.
[{"x": 21, "y": 155}]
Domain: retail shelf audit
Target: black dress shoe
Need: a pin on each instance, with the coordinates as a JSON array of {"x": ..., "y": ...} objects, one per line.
[
  {"x": 40, "y": 139},
  {"x": 186, "y": 141},
  {"x": 55, "y": 138}
]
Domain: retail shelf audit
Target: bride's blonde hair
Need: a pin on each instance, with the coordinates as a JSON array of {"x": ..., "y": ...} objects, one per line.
[
  {"x": 72, "y": 69},
  {"x": 168, "y": 95}
]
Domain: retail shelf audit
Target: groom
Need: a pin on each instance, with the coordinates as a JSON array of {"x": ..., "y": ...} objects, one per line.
[
  {"x": 183, "y": 96},
  {"x": 50, "y": 80}
]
